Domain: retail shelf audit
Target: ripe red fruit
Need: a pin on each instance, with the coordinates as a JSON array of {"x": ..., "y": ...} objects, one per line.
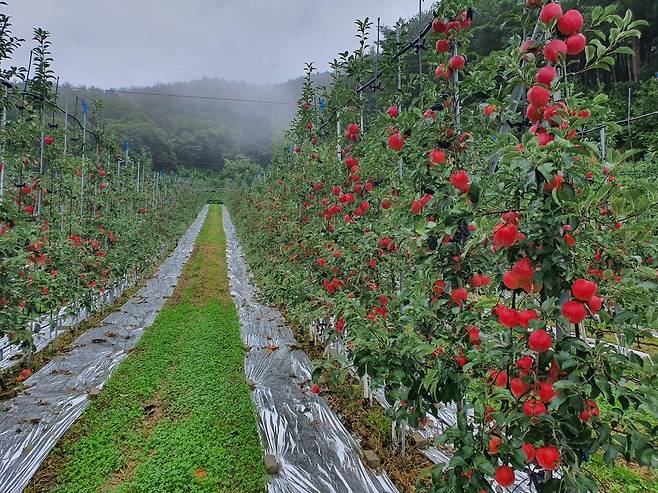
[
  {"x": 443, "y": 46},
  {"x": 546, "y": 392},
  {"x": 499, "y": 377},
  {"x": 544, "y": 138},
  {"x": 533, "y": 113},
  {"x": 386, "y": 204},
  {"x": 437, "y": 156},
  {"x": 438, "y": 287},
  {"x": 583, "y": 289},
  {"x": 506, "y": 235},
  {"x": 540, "y": 341},
  {"x": 546, "y": 75},
  {"x": 570, "y": 240},
  {"x": 523, "y": 268},
  {"x": 48, "y": 140},
  {"x": 570, "y": 23},
  {"x": 457, "y": 62},
  {"x": 553, "y": 49},
  {"x": 595, "y": 303},
  {"x": 416, "y": 207},
  {"x": 525, "y": 362},
  {"x": 458, "y": 296},
  {"x": 525, "y": 316},
  {"x": 438, "y": 26},
  {"x": 461, "y": 361},
  {"x": 393, "y": 112},
  {"x": 489, "y": 110},
  {"x": 461, "y": 181},
  {"x": 576, "y": 44},
  {"x": 548, "y": 457},
  {"x": 476, "y": 280},
  {"x": 494, "y": 445},
  {"x": 549, "y": 12},
  {"x": 442, "y": 72},
  {"x": 539, "y": 96},
  {"x": 24, "y": 375},
  {"x": 519, "y": 388},
  {"x": 396, "y": 141},
  {"x": 550, "y": 112},
  {"x": 473, "y": 335},
  {"x": 507, "y": 316},
  {"x": 351, "y": 162},
  {"x": 529, "y": 451},
  {"x": 315, "y": 388},
  {"x": 505, "y": 476},
  {"x": 574, "y": 311},
  {"x": 528, "y": 45},
  {"x": 511, "y": 217},
  {"x": 591, "y": 409},
  {"x": 533, "y": 408},
  {"x": 555, "y": 183}
]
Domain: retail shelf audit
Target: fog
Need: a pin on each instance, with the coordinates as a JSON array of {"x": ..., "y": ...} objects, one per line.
[
  {"x": 250, "y": 49},
  {"x": 138, "y": 43}
]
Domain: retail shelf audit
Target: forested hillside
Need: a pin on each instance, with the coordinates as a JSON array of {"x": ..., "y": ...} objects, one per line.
[
  {"x": 202, "y": 133},
  {"x": 194, "y": 131}
]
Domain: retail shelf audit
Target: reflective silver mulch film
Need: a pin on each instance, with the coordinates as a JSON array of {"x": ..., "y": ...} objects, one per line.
[
  {"x": 314, "y": 451},
  {"x": 57, "y": 394},
  {"x": 47, "y": 329},
  {"x": 292, "y": 420},
  {"x": 445, "y": 418}
]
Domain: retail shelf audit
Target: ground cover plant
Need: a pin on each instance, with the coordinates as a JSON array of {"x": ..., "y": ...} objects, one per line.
[{"x": 177, "y": 414}]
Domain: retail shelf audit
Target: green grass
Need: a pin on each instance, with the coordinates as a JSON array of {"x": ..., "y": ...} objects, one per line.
[
  {"x": 177, "y": 415},
  {"x": 622, "y": 478}
]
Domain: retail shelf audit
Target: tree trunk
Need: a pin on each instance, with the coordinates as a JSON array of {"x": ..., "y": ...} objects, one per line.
[{"x": 636, "y": 60}]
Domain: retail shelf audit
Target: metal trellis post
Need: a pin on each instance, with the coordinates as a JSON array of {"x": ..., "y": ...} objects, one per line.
[
  {"x": 82, "y": 166},
  {"x": 41, "y": 157},
  {"x": 3, "y": 165}
]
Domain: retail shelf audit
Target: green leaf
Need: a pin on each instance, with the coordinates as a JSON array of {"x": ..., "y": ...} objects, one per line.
[{"x": 623, "y": 50}]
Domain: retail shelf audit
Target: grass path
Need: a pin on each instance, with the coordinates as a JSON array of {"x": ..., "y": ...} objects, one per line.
[{"x": 177, "y": 414}]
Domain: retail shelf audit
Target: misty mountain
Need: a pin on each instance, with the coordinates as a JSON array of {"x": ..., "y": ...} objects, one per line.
[{"x": 195, "y": 131}]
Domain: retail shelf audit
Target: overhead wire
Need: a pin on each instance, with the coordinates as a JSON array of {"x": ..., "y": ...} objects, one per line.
[
  {"x": 188, "y": 96},
  {"x": 416, "y": 42}
]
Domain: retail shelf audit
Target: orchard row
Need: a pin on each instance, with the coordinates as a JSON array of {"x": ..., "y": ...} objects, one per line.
[
  {"x": 472, "y": 245},
  {"x": 79, "y": 213}
]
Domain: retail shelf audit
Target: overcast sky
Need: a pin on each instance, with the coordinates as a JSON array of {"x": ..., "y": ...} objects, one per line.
[{"x": 111, "y": 43}]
